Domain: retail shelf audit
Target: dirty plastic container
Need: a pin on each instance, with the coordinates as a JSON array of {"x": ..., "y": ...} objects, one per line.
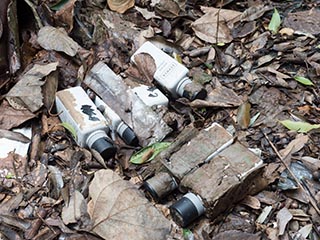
[
  {"x": 76, "y": 108},
  {"x": 172, "y": 75},
  {"x": 115, "y": 122}
]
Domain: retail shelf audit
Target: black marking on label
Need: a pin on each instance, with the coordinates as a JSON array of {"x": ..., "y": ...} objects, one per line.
[{"x": 87, "y": 109}]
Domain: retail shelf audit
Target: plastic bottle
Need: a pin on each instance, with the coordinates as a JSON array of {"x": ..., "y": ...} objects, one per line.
[
  {"x": 151, "y": 96},
  {"x": 171, "y": 75},
  {"x": 76, "y": 108},
  {"x": 115, "y": 122}
]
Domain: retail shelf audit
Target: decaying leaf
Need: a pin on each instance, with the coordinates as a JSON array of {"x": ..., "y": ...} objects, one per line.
[
  {"x": 236, "y": 235},
  {"x": 75, "y": 210},
  {"x": 220, "y": 96},
  {"x": 275, "y": 22},
  {"x": 149, "y": 153},
  {"x": 296, "y": 145},
  {"x": 304, "y": 21},
  {"x": 243, "y": 115},
  {"x": 215, "y": 26},
  {"x": 120, "y": 6},
  {"x": 27, "y": 93},
  {"x": 10, "y": 117},
  {"x": 146, "y": 65},
  {"x": 51, "y": 38},
  {"x": 251, "y": 202},
  {"x": 301, "y": 127},
  {"x": 283, "y": 218},
  {"x": 119, "y": 210}
]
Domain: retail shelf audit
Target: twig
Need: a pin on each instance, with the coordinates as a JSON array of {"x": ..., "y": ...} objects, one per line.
[
  {"x": 311, "y": 200},
  {"x": 218, "y": 20},
  {"x": 35, "y": 13}
]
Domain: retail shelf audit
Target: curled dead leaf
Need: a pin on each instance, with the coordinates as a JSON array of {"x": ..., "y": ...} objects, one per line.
[{"x": 120, "y": 6}]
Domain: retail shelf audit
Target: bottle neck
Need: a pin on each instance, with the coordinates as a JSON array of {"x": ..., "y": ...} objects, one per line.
[
  {"x": 96, "y": 135},
  {"x": 181, "y": 85}
]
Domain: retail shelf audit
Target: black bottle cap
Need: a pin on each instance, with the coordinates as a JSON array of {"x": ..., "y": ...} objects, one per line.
[
  {"x": 105, "y": 147},
  {"x": 148, "y": 187},
  {"x": 186, "y": 210},
  {"x": 130, "y": 137},
  {"x": 194, "y": 91}
]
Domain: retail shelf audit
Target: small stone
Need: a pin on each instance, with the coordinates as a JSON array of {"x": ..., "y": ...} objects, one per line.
[{"x": 294, "y": 226}]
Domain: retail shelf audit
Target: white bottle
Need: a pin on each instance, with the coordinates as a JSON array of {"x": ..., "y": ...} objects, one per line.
[
  {"x": 76, "y": 108},
  {"x": 115, "y": 122},
  {"x": 151, "y": 96},
  {"x": 170, "y": 73}
]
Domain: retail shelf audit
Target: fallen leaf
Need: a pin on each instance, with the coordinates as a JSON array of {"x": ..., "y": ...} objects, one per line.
[
  {"x": 254, "y": 12},
  {"x": 283, "y": 218},
  {"x": 75, "y": 209},
  {"x": 27, "y": 93},
  {"x": 305, "y": 231},
  {"x": 145, "y": 13},
  {"x": 15, "y": 136},
  {"x": 243, "y": 115},
  {"x": 296, "y": 145},
  {"x": 146, "y": 66},
  {"x": 304, "y": 21},
  {"x": 275, "y": 22},
  {"x": 65, "y": 14},
  {"x": 251, "y": 202},
  {"x": 301, "y": 127},
  {"x": 236, "y": 235},
  {"x": 119, "y": 210},
  {"x": 215, "y": 25},
  {"x": 10, "y": 117},
  {"x": 120, "y": 6},
  {"x": 303, "y": 80},
  {"x": 51, "y": 38},
  {"x": 140, "y": 156},
  {"x": 220, "y": 96}
]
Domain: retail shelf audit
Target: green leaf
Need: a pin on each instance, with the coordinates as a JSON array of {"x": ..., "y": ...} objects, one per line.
[
  {"x": 301, "y": 127},
  {"x": 187, "y": 234},
  {"x": 275, "y": 22},
  {"x": 70, "y": 128},
  {"x": 59, "y": 5},
  {"x": 148, "y": 153},
  {"x": 303, "y": 80}
]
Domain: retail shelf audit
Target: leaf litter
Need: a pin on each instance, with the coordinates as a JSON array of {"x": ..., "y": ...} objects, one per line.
[{"x": 259, "y": 64}]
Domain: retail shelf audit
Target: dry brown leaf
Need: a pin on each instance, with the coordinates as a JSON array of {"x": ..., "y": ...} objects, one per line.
[
  {"x": 251, "y": 202},
  {"x": 120, "y": 6},
  {"x": 51, "y": 38},
  {"x": 254, "y": 12},
  {"x": 119, "y": 210},
  {"x": 236, "y": 235},
  {"x": 66, "y": 14},
  {"x": 168, "y": 8},
  {"x": 305, "y": 21},
  {"x": 283, "y": 218},
  {"x": 220, "y": 96},
  {"x": 215, "y": 26},
  {"x": 75, "y": 209},
  {"x": 243, "y": 115},
  {"x": 27, "y": 93},
  {"x": 295, "y": 145},
  {"x": 146, "y": 66},
  {"x": 10, "y": 117}
]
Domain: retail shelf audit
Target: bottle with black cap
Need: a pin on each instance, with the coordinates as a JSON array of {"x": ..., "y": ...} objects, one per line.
[
  {"x": 76, "y": 108},
  {"x": 115, "y": 122},
  {"x": 171, "y": 74},
  {"x": 187, "y": 209}
]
